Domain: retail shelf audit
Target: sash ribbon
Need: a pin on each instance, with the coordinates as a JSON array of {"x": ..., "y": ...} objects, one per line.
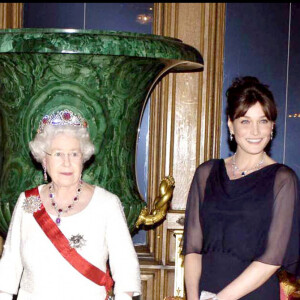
[{"x": 61, "y": 243}]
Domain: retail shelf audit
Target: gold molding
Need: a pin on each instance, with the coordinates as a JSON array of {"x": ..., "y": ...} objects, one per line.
[
  {"x": 1, "y": 245},
  {"x": 11, "y": 15},
  {"x": 186, "y": 108},
  {"x": 179, "y": 270},
  {"x": 193, "y": 97},
  {"x": 185, "y": 112}
]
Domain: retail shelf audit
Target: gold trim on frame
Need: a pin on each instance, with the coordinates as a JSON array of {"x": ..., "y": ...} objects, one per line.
[
  {"x": 179, "y": 270},
  {"x": 11, "y": 15},
  {"x": 1, "y": 245}
]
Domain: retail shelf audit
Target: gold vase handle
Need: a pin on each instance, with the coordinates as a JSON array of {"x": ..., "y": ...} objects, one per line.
[{"x": 160, "y": 205}]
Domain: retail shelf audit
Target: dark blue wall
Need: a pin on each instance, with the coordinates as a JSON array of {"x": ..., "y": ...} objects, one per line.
[
  {"x": 292, "y": 143},
  {"x": 120, "y": 16},
  {"x": 102, "y": 16},
  {"x": 54, "y": 15},
  {"x": 259, "y": 42}
]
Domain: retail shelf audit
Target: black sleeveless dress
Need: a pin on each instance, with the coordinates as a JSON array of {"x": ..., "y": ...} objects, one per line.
[{"x": 235, "y": 222}]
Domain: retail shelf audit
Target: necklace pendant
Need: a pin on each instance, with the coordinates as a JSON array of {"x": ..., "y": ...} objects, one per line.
[
  {"x": 61, "y": 210},
  {"x": 57, "y": 221}
]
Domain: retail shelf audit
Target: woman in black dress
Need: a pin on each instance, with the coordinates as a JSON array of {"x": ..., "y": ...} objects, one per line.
[{"x": 242, "y": 215}]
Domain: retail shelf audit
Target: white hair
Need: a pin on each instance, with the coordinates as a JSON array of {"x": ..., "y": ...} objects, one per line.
[{"x": 42, "y": 141}]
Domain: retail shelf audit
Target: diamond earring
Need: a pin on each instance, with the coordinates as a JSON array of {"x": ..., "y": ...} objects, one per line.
[
  {"x": 45, "y": 174},
  {"x": 231, "y": 137}
]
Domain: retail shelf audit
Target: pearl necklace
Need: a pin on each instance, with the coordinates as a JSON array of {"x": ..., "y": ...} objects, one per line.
[
  {"x": 60, "y": 211},
  {"x": 245, "y": 172}
]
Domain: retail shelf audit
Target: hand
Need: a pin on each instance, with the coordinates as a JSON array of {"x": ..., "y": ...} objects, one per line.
[{"x": 208, "y": 296}]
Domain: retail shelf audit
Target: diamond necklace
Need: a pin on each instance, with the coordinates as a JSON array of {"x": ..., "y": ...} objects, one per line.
[
  {"x": 245, "y": 172},
  {"x": 60, "y": 211}
]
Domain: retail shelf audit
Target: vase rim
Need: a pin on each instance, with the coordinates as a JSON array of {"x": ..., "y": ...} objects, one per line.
[
  {"x": 100, "y": 42},
  {"x": 86, "y": 31}
]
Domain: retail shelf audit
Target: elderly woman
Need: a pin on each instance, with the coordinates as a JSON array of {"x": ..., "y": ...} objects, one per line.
[
  {"x": 62, "y": 233},
  {"x": 242, "y": 216}
]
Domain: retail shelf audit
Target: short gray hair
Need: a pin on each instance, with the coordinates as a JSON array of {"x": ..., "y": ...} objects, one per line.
[{"x": 42, "y": 141}]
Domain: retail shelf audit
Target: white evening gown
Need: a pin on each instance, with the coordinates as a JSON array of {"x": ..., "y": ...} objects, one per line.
[{"x": 29, "y": 257}]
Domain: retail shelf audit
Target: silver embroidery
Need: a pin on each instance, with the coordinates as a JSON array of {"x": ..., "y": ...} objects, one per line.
[
  {"x": 77, "y": 241},
  {"x": 32, "y": 204}
]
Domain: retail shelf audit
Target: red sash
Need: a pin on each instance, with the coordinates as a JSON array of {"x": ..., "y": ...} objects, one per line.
[{"x": 61, "y": 243}]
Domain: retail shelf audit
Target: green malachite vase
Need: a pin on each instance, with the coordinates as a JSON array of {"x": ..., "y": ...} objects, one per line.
[{"x": 105, "y": 76}]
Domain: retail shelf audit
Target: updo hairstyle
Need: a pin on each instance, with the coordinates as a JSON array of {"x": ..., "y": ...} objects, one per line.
[
  {"x": 244, "y": 92},
  {"x": 42, "y": 141}
]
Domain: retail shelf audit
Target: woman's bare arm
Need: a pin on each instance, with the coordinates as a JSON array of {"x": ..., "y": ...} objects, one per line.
[
  {"x": 192, "y": 274},
  {"x": 255, "y": 275}
]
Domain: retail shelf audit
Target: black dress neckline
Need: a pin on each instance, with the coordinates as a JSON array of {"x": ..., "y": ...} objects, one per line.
[
  {"x": 223, "y": 165},
  {"x": 235, "y": 222}
]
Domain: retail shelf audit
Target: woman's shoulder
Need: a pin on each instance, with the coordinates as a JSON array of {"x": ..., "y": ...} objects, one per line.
[
  {"x": 22, "y": 195},
  {"x": 106, "y": 197},
  {"x": 104, "y": 192},
  {"x": 108, "y": 201},
  {"x": 207, "y": 165},
  {"x": 204, "y": 170},
  {"x": 284, "y": 172}
]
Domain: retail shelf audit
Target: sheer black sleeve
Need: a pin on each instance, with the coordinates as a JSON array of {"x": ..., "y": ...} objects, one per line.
[
  {"x": 192, "y": 242},
  {"x": 283, "y": 237}
]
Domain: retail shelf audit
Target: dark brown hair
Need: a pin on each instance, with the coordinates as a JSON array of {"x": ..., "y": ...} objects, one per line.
[{"x": 244, "y": 92}]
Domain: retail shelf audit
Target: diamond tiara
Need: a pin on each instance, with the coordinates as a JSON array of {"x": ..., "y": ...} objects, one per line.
[{"x": 62, "y": 118}]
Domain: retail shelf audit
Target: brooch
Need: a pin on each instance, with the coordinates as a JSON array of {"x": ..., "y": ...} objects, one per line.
[
  {"x": 77, "y": 241},
  {"x": 32, "y": 204}
]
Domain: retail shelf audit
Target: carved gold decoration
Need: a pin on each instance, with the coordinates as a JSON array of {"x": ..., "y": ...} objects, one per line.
[
  {"x": 161, "y": 204},
  {"x": 11, "y": 15},
  {"x": 174, "y": 298},
  {"x": 179, "y": 270},
  {"x": 289, "y": 285}
]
